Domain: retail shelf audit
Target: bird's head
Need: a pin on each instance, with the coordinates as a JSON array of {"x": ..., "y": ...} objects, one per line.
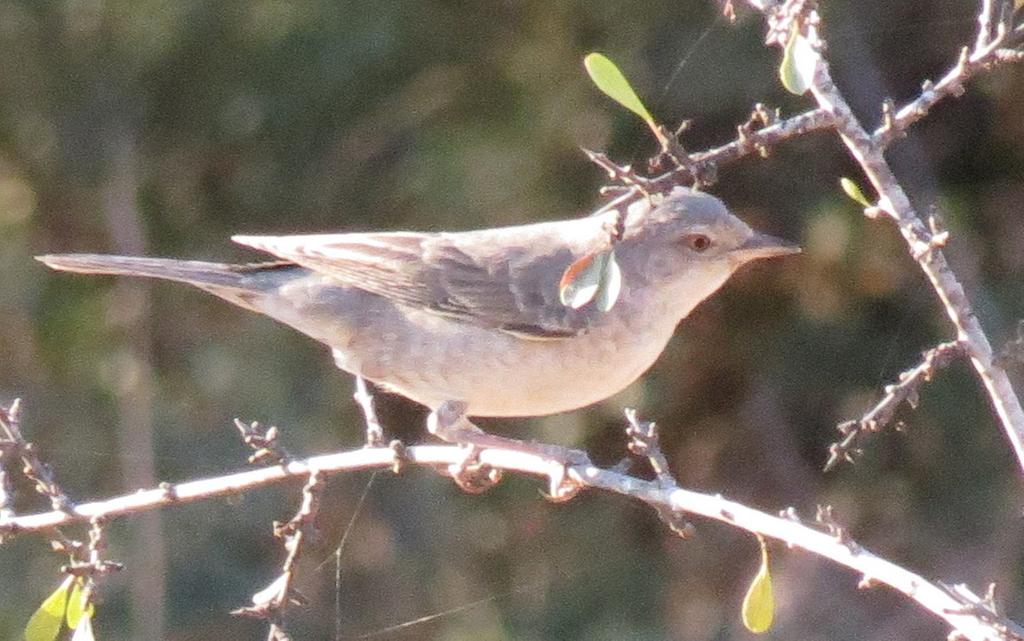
[{"x": 690, "y": 244}]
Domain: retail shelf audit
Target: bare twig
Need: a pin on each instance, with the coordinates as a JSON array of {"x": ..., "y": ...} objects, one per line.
[
  {"x": 34, "y": 468},
  {"x": 924, "y": 245},
  {"x": 906, "y": 389},
  {"x": 264, "y": 441},
  {"x": 272, "y": 602},
  {"x": 988, "y": 51},
  {"x": 755, "y": 142},
  {"x": 704, "y": 164},
  {"x": 985, "y": 608},
  {"x": 643, "y": 441},
  {"x": 92, "y": 564}
]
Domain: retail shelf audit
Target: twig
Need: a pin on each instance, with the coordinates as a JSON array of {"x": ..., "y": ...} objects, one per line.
[
  {"x": 985, "y": 608},
  {"x": 704, "y": 165},
  {"x": 924, "y": 245},
  {"x": 643, "y": 441},
  {"x": 272, "y": 602},
  {"x": 906, "y": 389},
  {"x": 993, "y": 28},
  {"x": 92, "y": 565},
  {"x": 761, "y": 139},
  {"x": 263, "y": 441},
  {"x": 34, "y": 468}
]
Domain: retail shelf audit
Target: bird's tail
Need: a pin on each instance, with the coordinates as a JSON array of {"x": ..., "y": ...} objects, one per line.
[{"x": 209, "y": 276}]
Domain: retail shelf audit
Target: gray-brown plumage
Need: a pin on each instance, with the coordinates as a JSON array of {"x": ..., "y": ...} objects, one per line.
[{"x": 476, "y": 317}]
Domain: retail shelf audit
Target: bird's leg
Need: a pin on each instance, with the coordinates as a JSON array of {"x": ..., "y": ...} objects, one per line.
[
  {"x": 374, "y": 432},
  {"x": 449, "y": 422}
]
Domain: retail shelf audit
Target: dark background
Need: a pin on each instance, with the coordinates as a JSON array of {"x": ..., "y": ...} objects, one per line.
[{"x": 164, "y": 127}]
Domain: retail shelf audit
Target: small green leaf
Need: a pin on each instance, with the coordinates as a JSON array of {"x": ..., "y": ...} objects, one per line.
[
  {"x": 798, "y": 63},
  {"x": 759, "y": 604},
  {"x": 77, "y": 607},
  {"x": 611, "y": 283},
  {"x": 45, "y": 622},
  {"x": 84, "y": 630},
  {"x": 595, "y": 276},
  {"x": 610, "y": 80},
  {"x": 852, "y": 190}
]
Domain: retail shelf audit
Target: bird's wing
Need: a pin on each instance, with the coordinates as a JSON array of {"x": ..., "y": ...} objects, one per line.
[{"x": 492, "y": 279}]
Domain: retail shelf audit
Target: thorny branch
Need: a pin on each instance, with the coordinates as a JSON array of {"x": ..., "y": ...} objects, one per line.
[
  {"x": 643, "y": 441},
  {"x": 924, "y": 241},
  {"x": 272, "y": 602},
  {"x": 702, "y": 166},
  {"x": 12, "y": 443},
  {"x": 85, "y": 559},
  {"x": 263, "y": 441},
  {"x": 994, "y": 30},
  {"x": 906, "y": 389},
  {"x": 823, "y": 537}
]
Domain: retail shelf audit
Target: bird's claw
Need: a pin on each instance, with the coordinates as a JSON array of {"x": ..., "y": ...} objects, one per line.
[{"x": 471, "y": 475}]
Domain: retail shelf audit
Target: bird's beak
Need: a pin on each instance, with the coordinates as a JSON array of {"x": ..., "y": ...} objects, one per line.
[{"x": 764, "y": 246}]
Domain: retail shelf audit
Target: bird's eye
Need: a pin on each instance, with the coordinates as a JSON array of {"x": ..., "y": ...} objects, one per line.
[{"x": 697, "y": 242}]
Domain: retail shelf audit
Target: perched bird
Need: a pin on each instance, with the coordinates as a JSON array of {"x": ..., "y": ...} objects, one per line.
[{"x": 474, "y": 323}]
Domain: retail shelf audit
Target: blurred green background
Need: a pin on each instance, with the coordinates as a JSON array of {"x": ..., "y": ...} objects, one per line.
[{"x": 164, "y": 127}]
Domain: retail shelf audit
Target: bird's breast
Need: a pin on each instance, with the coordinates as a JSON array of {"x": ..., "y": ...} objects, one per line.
[{"x": 432, "y": 359}]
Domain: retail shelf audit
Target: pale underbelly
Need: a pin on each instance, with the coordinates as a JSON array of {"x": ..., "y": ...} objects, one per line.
[
  {"x": 496, "y": 374},
  {"x": 432, "y": 359}
]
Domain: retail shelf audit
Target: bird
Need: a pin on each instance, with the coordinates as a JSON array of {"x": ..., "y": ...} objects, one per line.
[{"x": 476, "y": 323}]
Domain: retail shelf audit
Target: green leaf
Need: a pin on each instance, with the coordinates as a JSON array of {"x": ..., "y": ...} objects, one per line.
[
  {"x": 759, "y": 604},
  {"x": 595, "y": 276},
  {"x": 45, "y": 622},
  {"x": 84, "y": 630},
  {"x": 798, "y": 63},
  {"x": 77, "y": 607},
  {"x": 611, "y": 284},
  {"x": 852, "y": 190},
  {"x": 610, "y": 80}
]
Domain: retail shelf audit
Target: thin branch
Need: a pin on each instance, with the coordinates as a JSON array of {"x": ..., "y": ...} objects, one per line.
[
  {"x": 271, "y": 603},
  {"x": 644, "y": 441},
  {"x": 264, "y": 442},
  {"x": 11, "y": 439},
  {"x": 88, "y": 562},
  {"x": 703, "y": 166},
  {"x": 924, "y": 244},
  {"x": 988, "y": 51},
  {"x": 906, "y": 389},
  {"x": 958, "y": 611}
]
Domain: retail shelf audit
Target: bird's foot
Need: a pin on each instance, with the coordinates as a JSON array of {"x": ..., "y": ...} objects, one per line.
[
  {"x": 470, "y": 474},
  {"x": 449, "y": 422}
]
